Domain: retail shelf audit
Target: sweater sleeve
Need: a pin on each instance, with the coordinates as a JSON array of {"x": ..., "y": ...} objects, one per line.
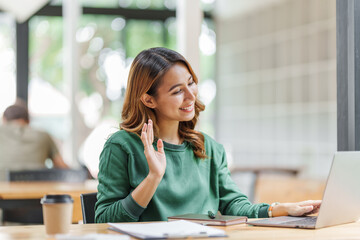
[
  {"x": 114, "y": 201},
  {"x": 232, "y": 200}
]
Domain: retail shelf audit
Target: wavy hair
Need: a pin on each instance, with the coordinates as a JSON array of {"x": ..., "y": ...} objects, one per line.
[{"x": 146, "y": 74}]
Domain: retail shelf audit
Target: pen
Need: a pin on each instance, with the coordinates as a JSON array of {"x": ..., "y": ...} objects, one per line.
[{"x": 211, "y": 214}]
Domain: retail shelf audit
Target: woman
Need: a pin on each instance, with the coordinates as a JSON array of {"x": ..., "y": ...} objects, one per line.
[{"x": 158, "y": 165}]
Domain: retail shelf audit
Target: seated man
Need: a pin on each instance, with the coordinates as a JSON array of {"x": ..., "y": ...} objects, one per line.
[{"x": 22, "y": 147}]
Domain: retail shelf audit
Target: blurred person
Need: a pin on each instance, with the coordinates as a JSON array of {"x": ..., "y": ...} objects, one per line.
[
  {"x": 158, "y": 165},
  {"x": 23, "y": 147}
]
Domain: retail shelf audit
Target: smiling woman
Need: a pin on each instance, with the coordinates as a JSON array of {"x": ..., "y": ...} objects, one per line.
[
  {"x": 158, "y": 165},
  {"x": 162, "y": 87}
]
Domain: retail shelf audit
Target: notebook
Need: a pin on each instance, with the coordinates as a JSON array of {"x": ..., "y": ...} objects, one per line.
[
  {"x": 165, "y": 230},
  {"x": 219, "y": 220},
  {"x": 341, "y": 197}
]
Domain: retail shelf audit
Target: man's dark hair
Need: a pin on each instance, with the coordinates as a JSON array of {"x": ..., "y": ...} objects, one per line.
[{"x": 16, "y": 111}]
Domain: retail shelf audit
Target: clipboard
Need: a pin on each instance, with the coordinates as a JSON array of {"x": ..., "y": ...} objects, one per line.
[{"x": 167, "y": 230}]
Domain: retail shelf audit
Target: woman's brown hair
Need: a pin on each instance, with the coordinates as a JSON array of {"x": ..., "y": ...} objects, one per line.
[{"x": 145, "y": 76}]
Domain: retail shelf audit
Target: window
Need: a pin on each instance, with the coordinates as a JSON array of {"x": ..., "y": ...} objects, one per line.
[{"x": 7, "y": 61}]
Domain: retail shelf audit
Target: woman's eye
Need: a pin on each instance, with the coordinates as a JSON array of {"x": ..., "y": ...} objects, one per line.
[
  {"x": 191, "y": 83},
  {"x": 177, "y": 92}
]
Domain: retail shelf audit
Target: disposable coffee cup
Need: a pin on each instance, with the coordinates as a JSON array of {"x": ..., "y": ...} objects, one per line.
[{"x": 57, "y": 213}]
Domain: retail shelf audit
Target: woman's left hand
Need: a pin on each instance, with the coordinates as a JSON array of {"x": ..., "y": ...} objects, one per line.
[{"x": 297, "y": 209}]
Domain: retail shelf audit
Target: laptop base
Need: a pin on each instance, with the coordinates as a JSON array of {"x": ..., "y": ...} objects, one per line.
[{"x": 286, "y": 221}]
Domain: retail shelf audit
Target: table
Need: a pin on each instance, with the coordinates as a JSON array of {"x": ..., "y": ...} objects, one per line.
[
  {"x": 14, "y": 194},
  {"x": 241, "y": 231}
]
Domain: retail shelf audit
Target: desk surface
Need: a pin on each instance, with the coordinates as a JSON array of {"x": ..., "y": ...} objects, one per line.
[
  {"x": 36, "y": 190},
  {"x": 31, "y": 190},
  {"x": 241, "y": 231}
]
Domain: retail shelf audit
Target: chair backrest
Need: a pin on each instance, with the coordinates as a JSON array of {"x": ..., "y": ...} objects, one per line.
[
  {"x": 88, "y": 201},
  {"x": 60, "y": 175}
]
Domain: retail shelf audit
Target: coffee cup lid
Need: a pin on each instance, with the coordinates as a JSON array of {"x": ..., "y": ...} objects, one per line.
[{"x": 58, "y": 198}]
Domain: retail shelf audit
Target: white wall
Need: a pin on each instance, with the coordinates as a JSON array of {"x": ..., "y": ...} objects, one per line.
[{"x": 276, "y": 81}]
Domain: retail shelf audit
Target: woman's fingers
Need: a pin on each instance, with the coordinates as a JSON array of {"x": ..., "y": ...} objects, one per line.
[
  {"x": 303, "y": 208},
  {"x": 316, "y": 206},
  {"x": 315, "y": 210},
  {"x": 309, "y": 207},
  {"x": 160, "y": 146},
  {"x": 316, "y": 203},
  {"x": 144, "y": 137},
  {"x": 147, "y": 135},
  {"x": 310, "y": 202},
  {"x": 156, "y": 159},
  {"x": 150, "y": 132}
]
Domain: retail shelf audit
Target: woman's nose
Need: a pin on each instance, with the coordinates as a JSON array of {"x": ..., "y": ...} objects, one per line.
[{"x": 190, "y": 93}]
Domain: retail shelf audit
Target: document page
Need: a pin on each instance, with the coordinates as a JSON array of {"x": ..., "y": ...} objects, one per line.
[
  {"x": 92, "y": 236},
  {"x": 174, "y": 229}
]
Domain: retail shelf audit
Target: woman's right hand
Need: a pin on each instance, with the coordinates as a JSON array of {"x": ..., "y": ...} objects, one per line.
[
  {"x": 297, "y": 209},
  {"x": 156, "y": 159}
]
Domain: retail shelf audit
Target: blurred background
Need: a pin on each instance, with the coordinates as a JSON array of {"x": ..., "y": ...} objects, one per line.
[{"x": 267, "y": 72}]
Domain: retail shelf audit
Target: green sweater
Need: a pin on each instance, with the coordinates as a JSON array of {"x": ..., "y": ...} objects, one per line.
[{"x": 189, "y": 185}]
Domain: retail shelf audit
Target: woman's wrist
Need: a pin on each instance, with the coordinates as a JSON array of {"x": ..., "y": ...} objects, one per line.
[
  {"x": 155, "y": 177},
  {"x": 144, "y": 192},
  {"x": 279, "y": 210}
]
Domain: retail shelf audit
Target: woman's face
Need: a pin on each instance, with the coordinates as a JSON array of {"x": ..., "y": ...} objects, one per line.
[{"x": 176, "y": 95}]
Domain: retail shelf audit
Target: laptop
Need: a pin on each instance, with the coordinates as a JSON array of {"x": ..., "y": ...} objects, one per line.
[{"x": 341, "y": 198}]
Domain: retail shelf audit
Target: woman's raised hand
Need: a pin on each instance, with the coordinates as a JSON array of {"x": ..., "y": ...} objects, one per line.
[{"x": 156, "y": 159}]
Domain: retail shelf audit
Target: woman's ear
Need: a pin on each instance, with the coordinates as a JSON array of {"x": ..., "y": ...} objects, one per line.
[{"x": 148, "y": 100}]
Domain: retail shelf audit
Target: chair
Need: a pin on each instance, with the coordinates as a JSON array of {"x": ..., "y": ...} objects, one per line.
[
  {"x": 61, "y": 175},
  {"x": 88, "y": 201},
  {"x": 31, "y": 213}
]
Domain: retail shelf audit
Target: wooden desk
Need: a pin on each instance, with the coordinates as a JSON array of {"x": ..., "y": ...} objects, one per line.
[
  {"x": 15, "y": 193},
  {"x": 241, "y": 231}
]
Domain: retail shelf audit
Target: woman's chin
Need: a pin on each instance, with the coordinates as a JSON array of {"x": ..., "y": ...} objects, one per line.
[{"x": 188, "y": 118}]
